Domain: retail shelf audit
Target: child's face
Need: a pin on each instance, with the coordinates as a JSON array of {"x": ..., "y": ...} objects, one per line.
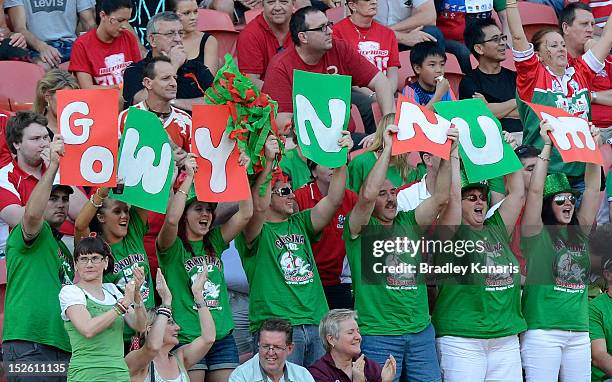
[{"x": 433, "y": 66}]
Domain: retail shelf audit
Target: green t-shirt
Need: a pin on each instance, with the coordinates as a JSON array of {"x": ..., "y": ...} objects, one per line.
[
  {"x": 359, "y": 168},
  {"x": 292, "y": 164},
  {"x": 487, "y": 303},
  {"x": 555, "y": 292},
  {"x": 36, "y": 272},
  {"x": 130, "y": 253},
  {"x": 180, "y": 268},
  {"x": 397, "y": 304},
  {"x": 282, "y": 274},
  {"x": 600, "y": 327}
]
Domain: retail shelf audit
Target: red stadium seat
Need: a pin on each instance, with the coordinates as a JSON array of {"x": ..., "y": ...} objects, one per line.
[
  {"x": 356, "y": 117},
  {"x": 536, "y": 16},
  {"x": 221, "y": 26},
  {"x": 405, "y": 72},
  {"x": 453, "y": 72},
  {"x": 251, "y": 14},
  {"x": 20, "y": 86},
  {"x": 335, "y": 14}
]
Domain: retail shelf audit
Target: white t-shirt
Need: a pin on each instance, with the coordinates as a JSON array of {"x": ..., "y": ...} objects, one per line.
[
  {"x": 393, "y": 11},
  {"x": 73, "y": 295},
  {"x": 409, "y": 198}
]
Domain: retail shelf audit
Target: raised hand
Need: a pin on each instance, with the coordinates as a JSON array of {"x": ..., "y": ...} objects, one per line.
[
  {"x": 346, "y": 140},
  {"x": 162, "y": 289},
  {"x": 56, "y": 150},
  {"x": 197, "y": 288},
  {"x": 244, "y": 159},
  {"x": 191, "y": 167},
  {"x": 271, "y": 147},
  {"x": 128, "y": 295},
  {"x": 509, "y": 138},
  {"x": 359, "y": 369},
  {"x": 453, "y": 135},
  {"x": 595, "y": 133},
  {"x": 388, "y": 135},
  {"x": 388, "y": 371},
  {"x": 545, "y": 128}
]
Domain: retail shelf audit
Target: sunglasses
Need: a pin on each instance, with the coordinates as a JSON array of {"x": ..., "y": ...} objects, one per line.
[
  {"x": 323, "y": 28},
  {"x": 283, "y": 191},
  {"x": 561, "y": 199},
  {"x": 473, "y": 198}
]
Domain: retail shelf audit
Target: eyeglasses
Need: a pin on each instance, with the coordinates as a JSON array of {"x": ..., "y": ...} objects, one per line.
[
  {"x": 323, "y": 28},
  {"x": 561, "y": 199},
  {"x": 472, "y": 198},
  {"x": 496, "y": 39},
  {"x": 273, "y": 348},
  {"x": 97, "y": 259},
  {"x": 171, "y": 34},
  {"x": 283, "y": 191}
]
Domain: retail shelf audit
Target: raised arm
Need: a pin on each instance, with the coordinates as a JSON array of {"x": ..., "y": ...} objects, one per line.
[
  {"x": 361, "y": 213},
  {"x": 261, "y": 203},
  {"x": 591, "y": 197},
  {"x": 324, "y": 210},
  {"x": 33, "y": 216},
  {"x": 231, "y": 228},
  {"x": 89, "y": 210},
  {"x": 169, "y": 230},
  {"x": 601, "y": 48},
  {"x": 136, "y": 317},
  {"x": 428, "y": 211},
  {"x": 384, "y": 92},
  {"x": 531, "y": 223},
  {"x": 513, "y": 204},
  {"x": 197, "y": 349},
  {"x": 519, "y": 39},
  {"x": 451, "y": 216}
]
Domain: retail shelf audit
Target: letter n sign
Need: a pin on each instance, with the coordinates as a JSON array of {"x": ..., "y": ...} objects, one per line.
[
  {"x": 219, "y": 178},
  {"x": 87, "y": 120}
]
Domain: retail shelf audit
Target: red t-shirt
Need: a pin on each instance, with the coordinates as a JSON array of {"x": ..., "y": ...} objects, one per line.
[
  {"x": 601, "y": 10},
  {"x": 5, "y": 153},
  {"x": 329, "y": 252},
  {"x": 340, "y": 59},
  {"x": 602, "y": 114},
  {"x": 105, "y": 62},
  {"x": 257, "y": 44},
  {"x": 376, "y": 43},
  {"x": 16, "y": 185}
]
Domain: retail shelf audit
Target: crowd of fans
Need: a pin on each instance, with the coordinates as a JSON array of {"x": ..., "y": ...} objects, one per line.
[{"x": 276, "y": 287}]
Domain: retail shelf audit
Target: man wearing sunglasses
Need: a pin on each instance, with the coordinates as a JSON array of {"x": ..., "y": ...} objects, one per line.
[
  {"x": 276, "y": 252},
  {"x": 491, "y": 82},
  {"x": 315, "y": 51}
]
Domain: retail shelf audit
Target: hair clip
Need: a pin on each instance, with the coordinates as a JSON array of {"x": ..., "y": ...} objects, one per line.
[{"x": 93, "y": 234}]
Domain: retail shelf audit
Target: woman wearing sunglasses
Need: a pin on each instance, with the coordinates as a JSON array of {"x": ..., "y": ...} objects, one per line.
[
  {"x": 94, "y": 314},
  {"x": 554, "y": 242},
  {"x": 477, "y": 315},
  {"x": 186, "y": 245},
  {"x": 157, "y": 360}
]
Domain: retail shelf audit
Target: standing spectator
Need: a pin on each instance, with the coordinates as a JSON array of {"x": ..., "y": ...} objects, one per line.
[
  {"x": 185, "y": 245},
  {"x": 270, "y": 363},
  {"x": 490, "y": 81},
  {"x": 276, "y": 252},
  {"x": 377, "y": 44},
  {"x": 100, "y": 56},
  {"x": 94, "y": 313},
  {"x": 165, "y": 35},
  {"x": 156, "y": 357},
  {"x": 314, "y": 51},
  {"x": 263, "y": 38},
  {"x": 542, "y": 71},
  {"x": 37, "y": 265},
  {"x": 50, "y": 28},
  {"x": 600, "y": 326},
  {"x": 200, "y": 46},
  {"x": 343, "y": 360},
  {"x": 329, "y": 252},
  {"x": 577, "y": 24},
  {"x": 393, "y": 310},
  {"x": 555, "y": 244},
  {"x": 413, "y": 22}
]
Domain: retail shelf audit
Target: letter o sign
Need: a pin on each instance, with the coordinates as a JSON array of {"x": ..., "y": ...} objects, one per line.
[{"x": 89, "y": 158}]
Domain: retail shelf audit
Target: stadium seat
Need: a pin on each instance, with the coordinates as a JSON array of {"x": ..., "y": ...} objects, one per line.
[
  {"x": 536, "y": 16},
  {"x": 251, "y": 14},
  {"x": 356, "y": 117},
  {"x": 453, "y": 72},
  {"x": 20, "y": 86},
  {"x": 221, "y": 26},
  {"x": 335, "y": 14},
  {"x": 405, "y": 72}
]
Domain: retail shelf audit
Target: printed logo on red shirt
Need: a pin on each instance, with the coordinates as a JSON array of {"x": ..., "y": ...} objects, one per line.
[
  {"x": 372, "y": 52},
  {"x": 112, "y": 73}
]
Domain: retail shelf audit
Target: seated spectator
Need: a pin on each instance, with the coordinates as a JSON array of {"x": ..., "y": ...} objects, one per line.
[
  {"x": 13, "y": 46},
  {"x": 49, "y": 28},
  {"x": 270, "y": 363},
  {"x": 455, "y": 18},
  {"x": 576, "y": 23},
  {"x": 428, "y": 61},
  {"x": 158, "y": 356},
  {"x": 263, "y": 38},
  {"x": 200, "y": 46},
  {"x": 600, "y": 326},
  {"x": 45, "y": 102},
  {"x": 412, "y": 21},
  {"x": 377, "y": 44},
  {"x": 38, "y": 264},
  {"x": 601, "y": 12},
  {"x": 343, "y": 358},
  {"x": 314, "y": 51},
  {"x": 100, "y": 56},
  {"x": 491, "y": 82},
  {"x": 165, "y": 35},
  {"x": 94, "y": 313}
]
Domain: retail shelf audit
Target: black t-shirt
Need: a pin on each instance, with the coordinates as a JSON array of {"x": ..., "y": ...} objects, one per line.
[
  {"x": 496, "y": 88},
  {"x": 193, "y": 78}
]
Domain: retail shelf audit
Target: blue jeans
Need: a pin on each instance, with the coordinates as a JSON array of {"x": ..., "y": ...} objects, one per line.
[
  {"x": 222, "y": 355},
  {"x": 462, "y": 53},
  {"x": 434, "y": 32},
  {"x": 63, "y": 45},
  {"x": 307, "y": 346},
  {"x": 415, "y": 354}
]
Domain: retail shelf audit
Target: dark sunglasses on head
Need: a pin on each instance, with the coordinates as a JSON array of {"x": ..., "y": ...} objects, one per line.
[
  {"x": 473, "y": 198},
  {"x": 560, "y": 199},
  {"x": 283, "y": 191}
]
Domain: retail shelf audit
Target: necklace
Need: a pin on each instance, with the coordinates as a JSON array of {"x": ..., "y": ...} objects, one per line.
[
  {"x": 361, "y": 36},
  {"x": 163, "y": 116}
]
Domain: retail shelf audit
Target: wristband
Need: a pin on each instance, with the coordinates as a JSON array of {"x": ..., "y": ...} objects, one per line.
[
  {"x": 199, "y": 306},
  {"x": 120, "y": 308},
  {"x": 182, "y": 192},
  {"x": 91, "y": 199},
  {"x": 544, "y": 159},
  {"x": 118, "y": 311}
]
